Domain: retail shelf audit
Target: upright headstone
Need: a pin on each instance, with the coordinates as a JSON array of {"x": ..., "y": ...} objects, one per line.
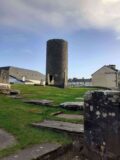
[
  {"x": 57, "y": 63},
  {"x": 102, "y": 125}
]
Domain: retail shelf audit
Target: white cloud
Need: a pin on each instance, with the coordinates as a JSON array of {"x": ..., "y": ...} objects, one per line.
[
  {"x": 110, "y": 1},
  {"x": 67, "y": 15}
]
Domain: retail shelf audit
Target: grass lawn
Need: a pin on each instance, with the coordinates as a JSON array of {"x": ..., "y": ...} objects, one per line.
[{"x": 16, "y": 116}]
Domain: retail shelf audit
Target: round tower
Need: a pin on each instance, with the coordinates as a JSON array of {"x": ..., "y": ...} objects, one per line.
[{"x": 57, "y": 63}]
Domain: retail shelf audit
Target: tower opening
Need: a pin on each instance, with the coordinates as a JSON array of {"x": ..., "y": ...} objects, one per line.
[{"x": 51, "y": 78}]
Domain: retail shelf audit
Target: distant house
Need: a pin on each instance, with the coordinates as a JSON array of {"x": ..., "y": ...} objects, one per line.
[
  {"x": 80, "y": 82},
  {"x": 107, "y": 76},
  {"x": 19, "y": 75}
]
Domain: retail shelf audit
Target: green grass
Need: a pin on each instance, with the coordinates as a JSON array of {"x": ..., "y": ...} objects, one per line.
[{"x": 16, "y": 116}]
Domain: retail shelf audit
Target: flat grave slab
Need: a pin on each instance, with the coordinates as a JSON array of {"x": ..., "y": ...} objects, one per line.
[
  {"x": 60, "y": 126},
  {"x": 35, "y": 152},
  {"x": 43, "y": 102},
  {"x": 70, "y": 116},
  {"x": 6, "y": 139},
  {"x": 72, "y": 105}
]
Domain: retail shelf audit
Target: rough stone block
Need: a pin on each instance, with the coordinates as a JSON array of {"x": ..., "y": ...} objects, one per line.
[
  {"x": 102, "y": 125},
  {"x": 5, "y": 86}
]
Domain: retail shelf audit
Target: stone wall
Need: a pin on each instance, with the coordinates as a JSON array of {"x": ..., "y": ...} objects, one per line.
[
  {"x": 4, "y": 75},
  {"x": 102, "y": 125}
]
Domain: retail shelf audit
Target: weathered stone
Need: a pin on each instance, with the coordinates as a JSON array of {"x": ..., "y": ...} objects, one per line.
[
  {"x": 70, "y": 116},
  {"x": 36, "y": 152},
  {"x": 73, "y": 105},
  {"x": 72, "y": 154},
  {"x": 102, "y": 125},
  {"x": 5, "y": 86},
  {"x": 5, "y": 92},
  {"x": 60, "y": 126},
  {"x": 42, "y": 102},
  {"x": 6, "y": 139}
]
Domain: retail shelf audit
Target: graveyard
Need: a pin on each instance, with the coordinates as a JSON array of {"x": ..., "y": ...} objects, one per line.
[
  {"x": 16, "y": 116},
  {"x": 47, "y": 119}
]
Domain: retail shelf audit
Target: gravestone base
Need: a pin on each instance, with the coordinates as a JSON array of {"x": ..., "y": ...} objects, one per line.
[{"x": 93, "y": 155}]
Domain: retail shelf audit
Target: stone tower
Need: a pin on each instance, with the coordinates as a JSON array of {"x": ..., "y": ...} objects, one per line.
[{"x": 57, "y": 63}]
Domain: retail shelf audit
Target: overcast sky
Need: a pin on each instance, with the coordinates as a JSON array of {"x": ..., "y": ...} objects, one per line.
[{"x": 91, "y": 27}]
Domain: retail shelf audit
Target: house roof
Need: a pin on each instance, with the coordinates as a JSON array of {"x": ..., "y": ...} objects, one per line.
[
  {"x": 113, "y": 67},
  {"x": 108, "y": 66},
  {"x": 19, "y": 73}
]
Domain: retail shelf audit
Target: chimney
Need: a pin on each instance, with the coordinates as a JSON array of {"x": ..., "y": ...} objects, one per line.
[{"x": 112, "y": 66}]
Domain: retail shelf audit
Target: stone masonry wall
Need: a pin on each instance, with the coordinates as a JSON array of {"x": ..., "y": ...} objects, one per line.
[
  {"x": 102, "y": 125},
  {"x": 57, "y": 63},
  {"x": 4, "y": 76}
]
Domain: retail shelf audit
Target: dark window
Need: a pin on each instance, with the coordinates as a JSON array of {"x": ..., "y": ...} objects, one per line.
[{"x": 51, "y": 78}]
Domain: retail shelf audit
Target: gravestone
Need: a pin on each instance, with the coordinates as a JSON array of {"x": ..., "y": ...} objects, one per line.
[{"x": 102, "y": 125}]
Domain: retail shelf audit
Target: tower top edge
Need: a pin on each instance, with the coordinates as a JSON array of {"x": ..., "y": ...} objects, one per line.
[{"x": 57, "y": 40}]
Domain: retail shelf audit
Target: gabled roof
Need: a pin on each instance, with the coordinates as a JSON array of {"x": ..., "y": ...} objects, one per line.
[
  {"x": 18, "y": 73},
  {"x": 113, "y": 67},
  {"x": 108, "y": 66},
  {"x": 8, "y": 67}
]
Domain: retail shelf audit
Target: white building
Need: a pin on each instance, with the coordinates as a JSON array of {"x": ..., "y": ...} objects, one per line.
[
  {"x": 107, "y": 76},
  {"x": 80, "y": 82}
]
